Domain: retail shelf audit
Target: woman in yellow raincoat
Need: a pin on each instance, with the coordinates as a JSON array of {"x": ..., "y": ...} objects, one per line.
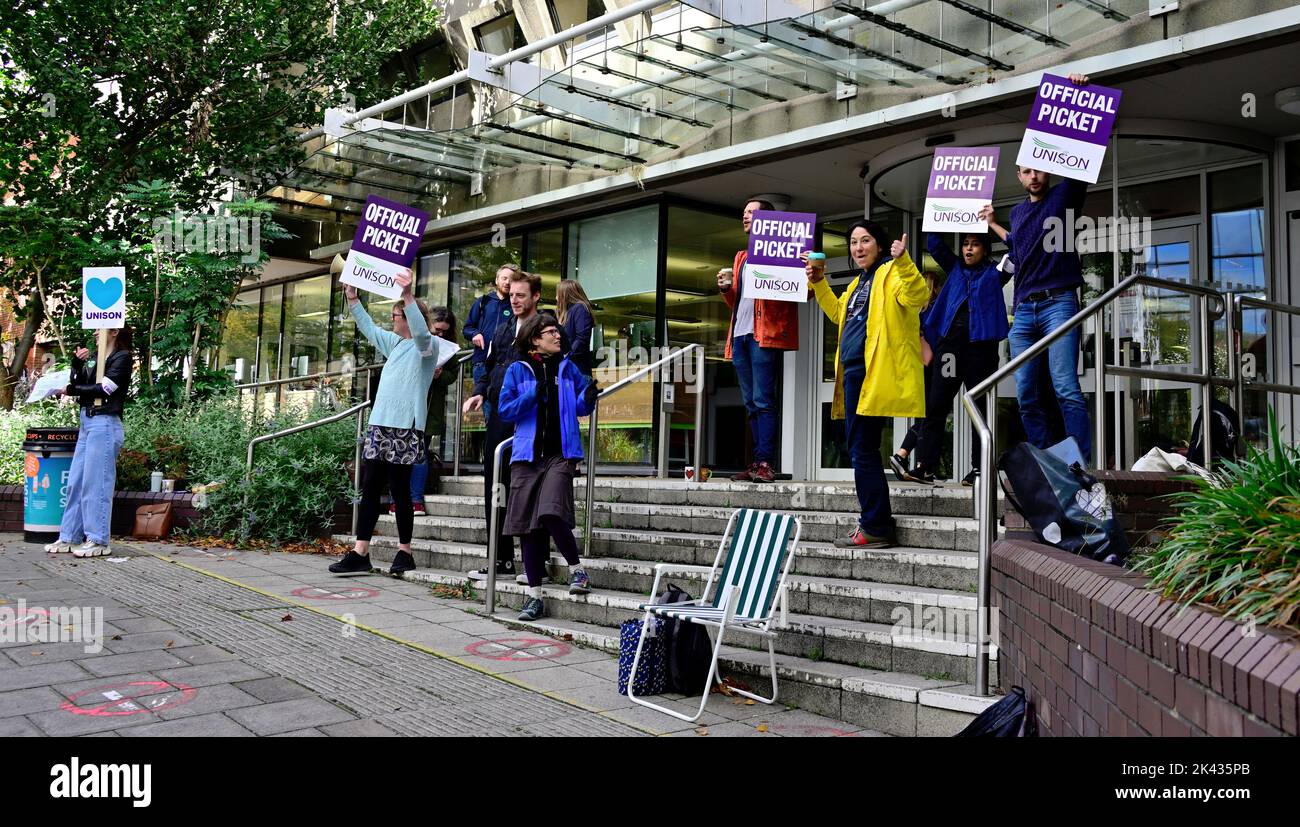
[{"x": 878, "y": 370}]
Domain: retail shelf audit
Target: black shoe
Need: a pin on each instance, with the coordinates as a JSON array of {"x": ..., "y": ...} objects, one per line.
[
  {"x": 506, "y": 569},
  {"x": 969, "y": 479},
  {"x": 899, "y": 463},
  {"x": 403, "y": 562},
  {"x": 533, "y": 609},
  {"x": 352, "y": 563},
  {"x": 917, "y": 474}
]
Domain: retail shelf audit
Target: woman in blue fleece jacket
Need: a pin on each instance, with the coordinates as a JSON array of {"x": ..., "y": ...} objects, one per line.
[
  {"x": 965, "y": 327},
  {"x": 544, "y": 394}
]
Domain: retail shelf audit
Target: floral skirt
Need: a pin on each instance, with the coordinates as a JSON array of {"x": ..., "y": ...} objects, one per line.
[{"x": 400, "y": 446}]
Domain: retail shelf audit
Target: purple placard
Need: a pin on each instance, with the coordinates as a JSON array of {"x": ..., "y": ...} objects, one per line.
[
  {"x": 1083, "y": 113},
  {"x": 958, "y": 172},
  {"x": 389, "y": 231},
  {"x": 776, "y": 238}
]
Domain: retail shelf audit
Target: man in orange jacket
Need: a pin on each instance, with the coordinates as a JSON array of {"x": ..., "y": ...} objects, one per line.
[{"x": 759, "y": 333}]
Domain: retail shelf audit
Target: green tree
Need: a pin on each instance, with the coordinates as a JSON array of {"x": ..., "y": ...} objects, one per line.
[{"x": 201, "y": 102}]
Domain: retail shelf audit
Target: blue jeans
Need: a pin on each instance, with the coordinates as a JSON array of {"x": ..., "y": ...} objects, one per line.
[
  {"x": 756, "y": 367},
  {"x": 420, "y": 473},
  {"x": 89, "y": 512},
  {"x": 1033, "y": 321},
  {"x": 863, "y": 436},
  {"x": 480, "y": 370}
]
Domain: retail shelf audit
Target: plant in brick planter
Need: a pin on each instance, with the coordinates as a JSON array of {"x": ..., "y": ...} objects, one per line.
[{"x": 1234, "y": 543}]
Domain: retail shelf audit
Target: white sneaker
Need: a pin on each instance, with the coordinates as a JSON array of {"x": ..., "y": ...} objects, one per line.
[
  {"x": 58, "y": 547},
  {"x": 522, "y": 579},
  {"x": 90, "y": 549}
]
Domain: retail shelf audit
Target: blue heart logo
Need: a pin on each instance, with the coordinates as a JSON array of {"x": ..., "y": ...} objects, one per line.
[{"x": 104, "y": 293}]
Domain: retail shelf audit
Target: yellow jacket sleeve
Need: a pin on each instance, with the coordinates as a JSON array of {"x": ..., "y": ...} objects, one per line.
[
  {"x": 909, "y": 286},
  {"x": 829, "y": 302}
]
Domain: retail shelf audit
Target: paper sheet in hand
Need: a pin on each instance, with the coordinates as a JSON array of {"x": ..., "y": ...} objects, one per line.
[{"x": 48, "y": 384}]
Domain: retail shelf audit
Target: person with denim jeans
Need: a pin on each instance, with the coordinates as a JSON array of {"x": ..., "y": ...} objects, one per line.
[
  {"x": 485, "y": 315},
  {"x": 1048, "y": 276},
  {"x": 88, "y": 515},
  {"x": 878, "y": 371},
  {"x": 759, "y": 333}
]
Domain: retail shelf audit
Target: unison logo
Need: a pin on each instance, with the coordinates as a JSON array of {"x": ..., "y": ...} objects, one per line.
[
  {"x": 369, "y": 271},
  {"x": 942, "y": 213},
  {"x": 1058, "y": 155},
  {"x": 77, "y": 780}
]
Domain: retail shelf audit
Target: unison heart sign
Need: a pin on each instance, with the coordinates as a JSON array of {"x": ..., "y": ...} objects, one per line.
[{"x": 103, "y": 297}]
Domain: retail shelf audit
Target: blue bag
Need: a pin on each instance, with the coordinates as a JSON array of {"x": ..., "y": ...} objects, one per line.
[{"x": 652, "y": 672}]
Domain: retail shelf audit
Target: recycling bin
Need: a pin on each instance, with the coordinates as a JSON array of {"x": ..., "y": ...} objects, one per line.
[{"x": 45, "y": 490}]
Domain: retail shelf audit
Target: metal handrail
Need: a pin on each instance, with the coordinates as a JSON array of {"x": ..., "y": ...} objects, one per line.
[
  {"x": 1239, "y": 302},
  {"x": 460, "y": 415},
  {"x": 593, "y": 420},
  {"x": 986, "y": 491},
  {"x": 309, "y": 377}
]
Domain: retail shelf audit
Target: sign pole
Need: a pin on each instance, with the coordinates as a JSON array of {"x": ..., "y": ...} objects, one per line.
[{"x": 101, "y": 358}]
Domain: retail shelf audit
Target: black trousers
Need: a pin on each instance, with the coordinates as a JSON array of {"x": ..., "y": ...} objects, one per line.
[
  {"x": 497, "y": 430},
  {"x": 957, "y": 361},
  {"x": 397, "y": 478}
]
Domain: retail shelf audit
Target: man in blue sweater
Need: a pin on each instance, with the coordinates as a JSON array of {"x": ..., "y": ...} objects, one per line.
[
  {"x": 485, "y": 316},
  {"x": 1046, "y": 297}
]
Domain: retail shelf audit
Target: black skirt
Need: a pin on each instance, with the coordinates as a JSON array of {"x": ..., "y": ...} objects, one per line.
[{"x": 539, "y": 489}]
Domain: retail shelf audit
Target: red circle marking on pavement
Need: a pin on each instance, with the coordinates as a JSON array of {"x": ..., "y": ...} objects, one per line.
[
  {"x": 322, "y": 593},
  {"x": 519, "y": 648},
  {"x": 120, "y": 698},
  {"x": 29, "y": 616}
]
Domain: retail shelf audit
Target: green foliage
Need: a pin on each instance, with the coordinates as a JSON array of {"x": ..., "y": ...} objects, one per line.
[
  {"x": 13, "y": 430},
  {"x": 1235, "y": 543}
]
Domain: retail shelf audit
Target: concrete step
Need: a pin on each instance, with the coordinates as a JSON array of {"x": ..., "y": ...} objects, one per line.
[
  {"x": 895, "y": 703},
  {"x": 903, "y": 565},
  {"x": 903, "y": 606},
  {"x": 868, "y": 645},
  {"x": 943, "y": 533},
  {"x": 949, "y": 500}
]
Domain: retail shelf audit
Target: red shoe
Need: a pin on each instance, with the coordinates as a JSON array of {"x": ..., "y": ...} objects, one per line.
[
  {"x": 418, "y": 508},
  {"x": 744, "y": 476},
  {"x": 392, "y": 508},
  {"x": 762, "y": 472},
  {"x": 860, "y": 539}
]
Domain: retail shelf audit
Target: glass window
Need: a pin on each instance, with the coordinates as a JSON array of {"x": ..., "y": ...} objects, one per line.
[
  {"x": 306, "y": 312},
  {"x": 699, "y": 244},
  {"x": 496, "y": 37},
  {"x": 1237, "y": 229},
  {"x": 615, "y": 257},
  {"x": 268, "y": 361},
  {"x": 238, "y": 355},
  {"x": 1156, "y": 200},
  {"x": 473, "y": 269},
  {"x": 434, "y": 278},
  {"x": 566, "y": 14},
  {"x": 1292, "y": 162},
  {"x": 546, "y": 259}
]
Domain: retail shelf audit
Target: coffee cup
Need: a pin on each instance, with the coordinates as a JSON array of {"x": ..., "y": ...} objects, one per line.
[
  {"x": 726, "y": 278},
  {"x": 690, "y": 473}
]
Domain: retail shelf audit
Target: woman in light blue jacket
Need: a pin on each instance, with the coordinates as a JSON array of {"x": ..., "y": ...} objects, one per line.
[{"x": 394, "y": 442}]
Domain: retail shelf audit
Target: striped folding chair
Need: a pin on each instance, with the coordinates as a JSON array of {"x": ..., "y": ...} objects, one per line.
[{"x": 754, "y": 559}]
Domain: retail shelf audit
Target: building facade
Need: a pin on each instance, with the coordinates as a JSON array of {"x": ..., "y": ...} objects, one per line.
[{"x": 623, "y": 158}]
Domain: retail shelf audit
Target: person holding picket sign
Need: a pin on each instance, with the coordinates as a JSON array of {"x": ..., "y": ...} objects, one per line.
[
  {"x": 878, "y": 370},
  {"x": 394, "y": 440},
  {"x": 543, "y": 394},
  {"x": 965, "y": 327},
  {"x": 88, "y": 514}
]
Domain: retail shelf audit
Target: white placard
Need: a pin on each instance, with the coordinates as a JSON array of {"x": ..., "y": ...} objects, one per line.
[
  {"x": 103, "y": 297},
  {"x": 372, "y": 274}
]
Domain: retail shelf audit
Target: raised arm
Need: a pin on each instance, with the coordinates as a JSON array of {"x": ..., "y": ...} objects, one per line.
[
  {"x": 910, "y": 289},
  {"x": 383, "y": 340},
  {"x": 941, "y": 252}
]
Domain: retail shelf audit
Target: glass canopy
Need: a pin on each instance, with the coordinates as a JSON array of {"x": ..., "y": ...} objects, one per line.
[{"x": 692, "y": 85}]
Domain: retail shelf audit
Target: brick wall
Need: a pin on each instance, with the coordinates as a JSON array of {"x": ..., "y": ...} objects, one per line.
[
  {"x": 1100, "y": 654},
  {"x": 124, "y": 505},
  {"x": 1138, "y": 500}
]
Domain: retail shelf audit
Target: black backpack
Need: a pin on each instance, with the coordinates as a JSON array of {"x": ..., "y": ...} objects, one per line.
[
  {"x": 1011, "y": 717},
  {"x": 688, "y": 652}
]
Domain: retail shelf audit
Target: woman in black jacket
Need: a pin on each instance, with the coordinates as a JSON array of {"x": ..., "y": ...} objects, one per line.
[{"x": 88, "y": 515}]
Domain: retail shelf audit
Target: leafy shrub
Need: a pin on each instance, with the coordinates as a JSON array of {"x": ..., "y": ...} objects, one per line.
[
  {"x": 134, "y": 471},
  {"x": 1235, "y": 543},
  {"x": 13, "y": 430}
]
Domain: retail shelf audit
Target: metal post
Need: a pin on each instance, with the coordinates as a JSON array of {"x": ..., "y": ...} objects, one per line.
[
  {"x": 664, "y": 418},
  {"x": 591, "y": 479},
  {"x": 1207, "y": 370},
  {"x": 494, "y": 538},
  {"x": 1099, "y": 389},
  {"x": 1235, "y": 324},
  {"x": 356, "y": 475},
  {"x": 699, "y": 412},
  {"x": 987, "y": 510},
  {"x": 460, "y": 417}
]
